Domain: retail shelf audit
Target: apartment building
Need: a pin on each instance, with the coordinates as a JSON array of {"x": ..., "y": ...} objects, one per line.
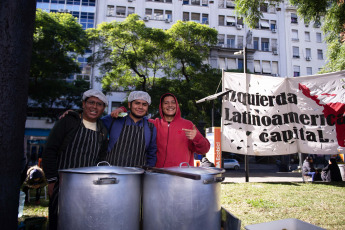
[{"x": 280, "y": 45}]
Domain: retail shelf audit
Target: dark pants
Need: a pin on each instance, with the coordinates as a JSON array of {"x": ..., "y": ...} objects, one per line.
[
  {"x": 53, "y": 208},
  {"x": 26, "y": 191}
]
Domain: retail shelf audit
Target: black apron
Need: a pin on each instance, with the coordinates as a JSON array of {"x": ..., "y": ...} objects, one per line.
[
  {"x": 81, "y": 152},
  {"x": 129, "y": 150}
]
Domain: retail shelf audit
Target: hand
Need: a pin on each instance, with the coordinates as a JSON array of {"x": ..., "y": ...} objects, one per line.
[
  {"x": 64, "y": 114},
  {"x": 115, "y": 113},
  {"x": 190, "y": 133},
  {"x": 50, "y": 189}
]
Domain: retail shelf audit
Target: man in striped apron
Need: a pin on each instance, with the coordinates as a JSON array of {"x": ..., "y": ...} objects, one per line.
[
  {"x": 132, "y": 139},
  {"x": 77, "y": 140}
]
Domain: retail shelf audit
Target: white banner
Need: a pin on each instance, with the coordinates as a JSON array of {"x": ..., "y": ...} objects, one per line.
[{"x": 264, "y": 115}]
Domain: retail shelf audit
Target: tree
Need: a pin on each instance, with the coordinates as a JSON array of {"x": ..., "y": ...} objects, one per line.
[
  {"x": 331, "y": 12},
  {"x": 16, "y": 33},
  {"x": 190, "y": 45},
  {"x": 58, "y": 40},
  {"x": 132, "y": 52}
]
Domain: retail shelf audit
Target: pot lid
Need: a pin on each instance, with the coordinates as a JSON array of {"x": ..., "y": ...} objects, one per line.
[
  {"x": 104, "y": 170},
  {"x": 196, "y": 170}
]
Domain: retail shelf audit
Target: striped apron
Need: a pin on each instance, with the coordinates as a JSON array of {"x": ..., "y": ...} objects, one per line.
[
  {"x": 81, "y": 152},
  {"x": 129, "y": 150}
]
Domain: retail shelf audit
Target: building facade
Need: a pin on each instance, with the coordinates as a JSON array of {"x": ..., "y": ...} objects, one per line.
[{"x": 280, "y": 45}]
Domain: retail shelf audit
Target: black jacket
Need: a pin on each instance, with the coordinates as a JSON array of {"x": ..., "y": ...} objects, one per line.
[
  {"x": 331, "y": 173},
  {"x": 60, "y": 136}
]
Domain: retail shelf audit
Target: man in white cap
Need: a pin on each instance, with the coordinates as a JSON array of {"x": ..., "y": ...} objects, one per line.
[
  {"x": 132, "y": 139},
  {"x": 76, "y": 140}
]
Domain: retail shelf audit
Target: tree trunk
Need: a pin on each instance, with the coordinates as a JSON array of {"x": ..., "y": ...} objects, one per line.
[{"x": 17, "y": 18}]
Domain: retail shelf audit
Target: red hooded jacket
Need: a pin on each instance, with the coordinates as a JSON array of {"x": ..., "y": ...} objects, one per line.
[{"x": 173, "y": 147}]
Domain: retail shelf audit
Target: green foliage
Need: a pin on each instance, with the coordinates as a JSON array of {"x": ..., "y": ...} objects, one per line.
[
  {"x": 157, "y": 61},
  {"x": 58, "y": 39}
]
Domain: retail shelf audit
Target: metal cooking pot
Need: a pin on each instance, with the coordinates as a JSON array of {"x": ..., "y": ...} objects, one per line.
[
  {"x": 182, "y": 198},
  {"x": 100, "y": 197}
]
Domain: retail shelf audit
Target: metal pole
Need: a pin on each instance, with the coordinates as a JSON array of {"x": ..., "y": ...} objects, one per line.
[{"x": 246, "y": 160}]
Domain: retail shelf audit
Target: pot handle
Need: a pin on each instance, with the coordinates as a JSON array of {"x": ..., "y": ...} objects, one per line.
[
  {"x": 184, "y": 163},
  {"x": 106, "y": 180},
  {"x": 101, "y": 162},
  {"x": 214, "y": 180}
]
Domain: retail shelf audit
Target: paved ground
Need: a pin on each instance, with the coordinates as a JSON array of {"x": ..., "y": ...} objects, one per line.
[{"x": 261, "y": 173}]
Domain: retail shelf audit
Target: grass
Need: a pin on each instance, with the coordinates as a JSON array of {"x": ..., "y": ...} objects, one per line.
[{"x": 321, "y": 204}]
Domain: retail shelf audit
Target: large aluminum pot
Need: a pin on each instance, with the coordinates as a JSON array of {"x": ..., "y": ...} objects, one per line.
[
  {"x": 182, "y": 198},
  {"x": 100, "y": 197}
]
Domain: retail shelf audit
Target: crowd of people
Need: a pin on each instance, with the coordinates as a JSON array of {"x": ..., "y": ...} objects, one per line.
[{"x": 329, "y": 173}]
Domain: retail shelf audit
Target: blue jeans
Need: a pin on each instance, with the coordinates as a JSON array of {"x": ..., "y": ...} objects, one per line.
[{"x": 312, "y": 174}]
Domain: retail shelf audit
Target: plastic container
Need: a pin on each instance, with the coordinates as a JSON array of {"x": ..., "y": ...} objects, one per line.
[{"x": 21, "y": 203}]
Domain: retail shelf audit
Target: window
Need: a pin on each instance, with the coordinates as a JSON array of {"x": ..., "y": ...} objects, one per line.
[
  {"x": 308, "y": 53},
  {"x": 240, "y": 42},
  {"x": 240, "y": 64},
  {"x": 266, "y": 67},
  {"x": 221, "y": 3},
  {"x": 204, "y": 2},
  {"x": 110, "y": 10},
  {"x": 87, "y": 20},
  {"x": 232, "y": 63},
  {"x": 295, "y": 50},
  {"x": 185, "y": 16},
  {"x": 256, "y": 43},
  {"x": 265, "y": 44},
  {"x": 148, "y": 13},
  {"x": 274, "y": 45},
  {"x": 158, "y": 14},
  {"x": 121, "y": 11},
  {"x": 230, "y": 41},
  {"x": 296, "y": 71},
  {"x": 195, "y": 2},
  {"x": 240, "y": 21},
  {"x": 263, "y": 7},
  {"x": 204, "y": 18},
  {"x": 272, "y": 9},
  {"x": 131, "y": 10},
  {"x": 264, "y": 24},
  {"x": 309, "y": 71},
  {"x": 273, "y": 25},
  {"x": 294, "y": 34},
  {"x": 230, "y": 21},
  {"x": 221, "y": 63},
  {"x": 196, "y": 17},
  {"x": 275, "y": 68},
  {"x": 221, "y": 38},
  {"x": 294, "y": 18},
  {"x": 319, "y": 54},
  {"x": 221, "y": 19},
  {"x": 318, "y": 37},
  {"x": 307, "y": 36},
  {"x": 230, "y": 4},
  {"x": 168, "y": 15},
  {"x": 257, "y": 67},
  {"x": 185, "y": 2}
]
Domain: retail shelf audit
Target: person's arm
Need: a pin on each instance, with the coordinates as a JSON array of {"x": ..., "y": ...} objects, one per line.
[{"x": 151, "y": 154}]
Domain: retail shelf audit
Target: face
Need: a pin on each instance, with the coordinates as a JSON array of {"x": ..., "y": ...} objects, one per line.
[
  {"x": 138, "y": 108},
  {"x": 169, "y": 106},
  {"x": 93, "y": 108}
]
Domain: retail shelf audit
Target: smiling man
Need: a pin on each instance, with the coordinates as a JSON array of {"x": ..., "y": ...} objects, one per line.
[
  {"x": 177, "y": 138},
  {"x": 77, "y": 140},
  {"x": 132, "y": 139}
]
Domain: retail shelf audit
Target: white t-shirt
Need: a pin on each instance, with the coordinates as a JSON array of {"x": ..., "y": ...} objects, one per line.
[{"x": 90, "y": 125}]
